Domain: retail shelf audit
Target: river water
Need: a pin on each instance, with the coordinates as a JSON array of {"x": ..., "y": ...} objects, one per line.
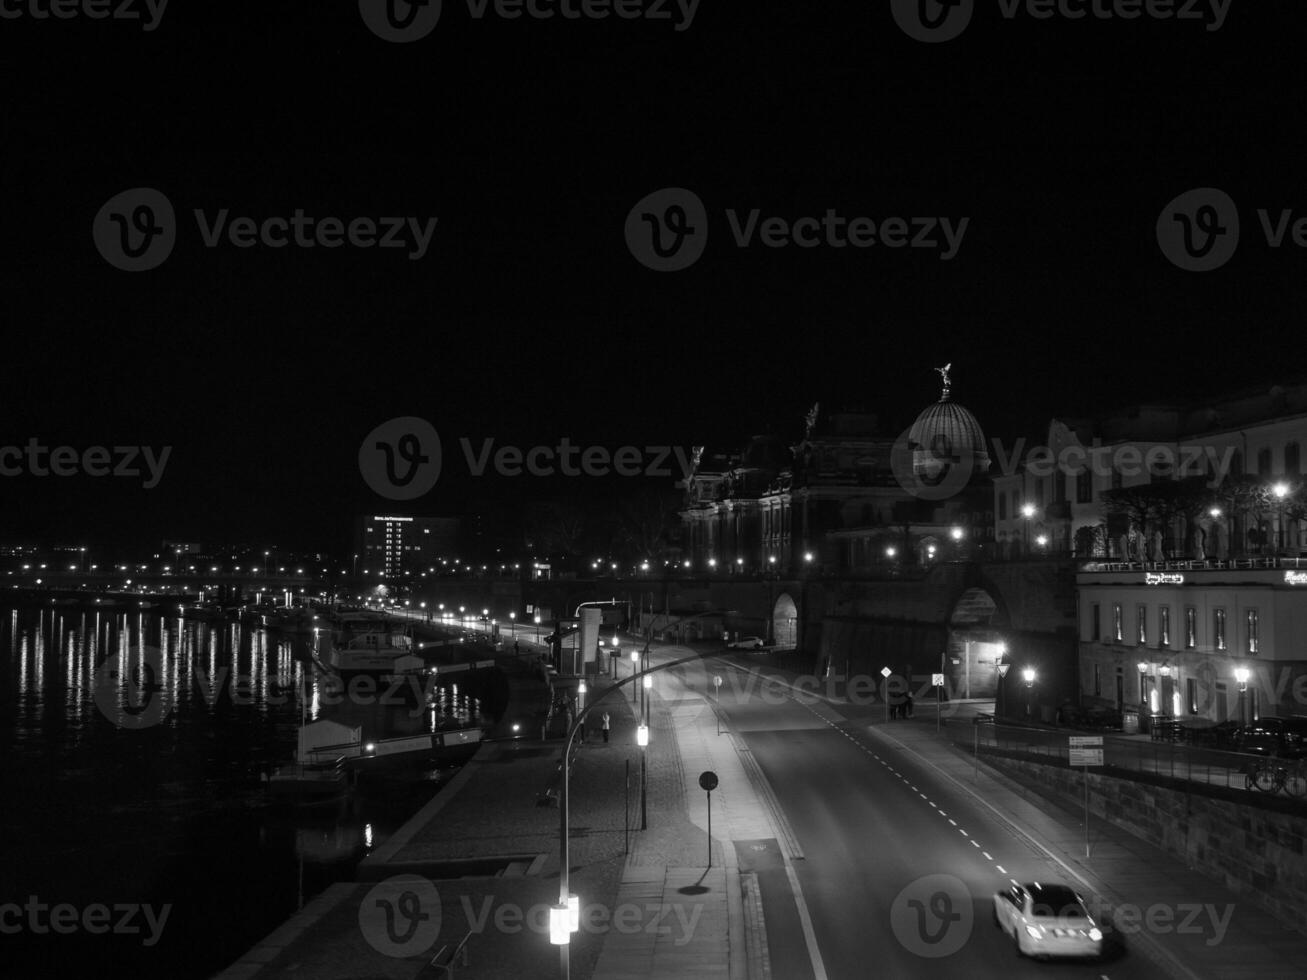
[{"x": 156, "y": 801}]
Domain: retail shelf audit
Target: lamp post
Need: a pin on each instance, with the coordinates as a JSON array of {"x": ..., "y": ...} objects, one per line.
[
  {"x": 1281, "y": 490},
  {"x": 512, "y": 629},
  {"x": 635, "y": 658},
  {"x": 1028, "y": 675},
  {"x": 1027, "y": 511},
  {"x": 1002, "y": 672},
  {"x": 1241, "y": 675}
]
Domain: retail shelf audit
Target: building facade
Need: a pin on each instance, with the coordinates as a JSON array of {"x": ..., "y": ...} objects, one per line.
[
  {"x": 1169, "y": 639},
  {"x": 1238, "y": 461},
  {"x": 846, "y": 498}
]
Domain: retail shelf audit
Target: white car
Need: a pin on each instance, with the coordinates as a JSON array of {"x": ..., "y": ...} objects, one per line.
[
  {"x": 746, "y": 643},
  {"x": 1047, "y": 920}
]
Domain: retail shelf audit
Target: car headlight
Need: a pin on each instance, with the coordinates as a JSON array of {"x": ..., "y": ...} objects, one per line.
[
  {"x": 1095, "y": 934},
  {"x": 1034, "y": 932}
]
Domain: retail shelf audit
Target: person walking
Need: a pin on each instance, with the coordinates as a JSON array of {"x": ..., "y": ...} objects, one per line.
[{"x": 606, "y": 727}]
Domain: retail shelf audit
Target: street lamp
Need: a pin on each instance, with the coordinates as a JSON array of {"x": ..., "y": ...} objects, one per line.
[
  {"x": 1241, "y": 675},
  {"x": 1028, "y": 675},
  {"x": 512, "y": 618},
  {"x": 1281, "y": 490},
  {"x": 1027, "y": 511}
]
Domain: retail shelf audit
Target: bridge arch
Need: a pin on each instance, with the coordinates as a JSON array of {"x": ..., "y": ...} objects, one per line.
[{"x": 784, "y": 622}]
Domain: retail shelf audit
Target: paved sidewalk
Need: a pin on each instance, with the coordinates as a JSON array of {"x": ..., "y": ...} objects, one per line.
[
  {"x": 482, "y": 859},
  {"x": 1121, "y": 871}
]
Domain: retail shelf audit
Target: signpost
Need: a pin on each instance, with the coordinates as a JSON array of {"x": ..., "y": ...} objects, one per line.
[
  {"x": 708, "y": 783},
  {"x": 938, "y": 681},
  {"x": 717, "y": 693},
  {"x": 1086, "y": 751}
]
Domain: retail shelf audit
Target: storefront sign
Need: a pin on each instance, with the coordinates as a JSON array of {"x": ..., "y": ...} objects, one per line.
[
  {"x": 1163, "y": 578},
  {"x": 1295, "y": 578}
]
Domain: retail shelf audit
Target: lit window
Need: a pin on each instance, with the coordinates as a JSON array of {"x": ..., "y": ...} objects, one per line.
[
  {"x": 1143, "y": 625},
  {"x": 1190, "y": 627},
  {"x": 1252, "y": 631},
  {"x": 1118, "y": 629},
  {"x": 1219, "y": 623},
  {"x": 1164, "y": 627}
]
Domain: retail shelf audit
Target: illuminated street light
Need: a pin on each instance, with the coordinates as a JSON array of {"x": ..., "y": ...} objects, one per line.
[
  {"x": 1241, "y": 675},
  {"x": 1028, "y": 675}
]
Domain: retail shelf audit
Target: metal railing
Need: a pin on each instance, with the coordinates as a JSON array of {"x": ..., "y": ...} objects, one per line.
[
  {"x": 1196, "y": 564},
  {"x": 1134, "y": 757}
]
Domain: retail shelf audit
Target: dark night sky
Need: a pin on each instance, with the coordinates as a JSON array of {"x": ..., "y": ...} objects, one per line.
[{"x": 529, "y": 318}]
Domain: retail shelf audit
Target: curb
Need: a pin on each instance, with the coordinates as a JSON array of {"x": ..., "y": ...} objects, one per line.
[
  {"x": 784, "y": 832},
  {"x": 737, "y": 955},
  {"x": 272, "y": 945}
]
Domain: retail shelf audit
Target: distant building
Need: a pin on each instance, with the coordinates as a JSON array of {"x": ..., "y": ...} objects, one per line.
[
  {"x": 392, "y": 547},
  {"x": 846, "y": 498},
  {"x": 182, "y": 548},
  {"x": 1051, "y": 500}
]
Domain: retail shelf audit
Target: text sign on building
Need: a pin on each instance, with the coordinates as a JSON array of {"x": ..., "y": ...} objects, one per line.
[
  {"x": 1085, "y": 741},
  {"x": 1163, "y": 578},
  {"x": 1295, "y": 578}
]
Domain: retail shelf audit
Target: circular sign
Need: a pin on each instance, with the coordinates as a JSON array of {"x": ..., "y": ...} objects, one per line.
[
  {"x": 717, "y": 681},
  {"x": 708, "y": 781}
]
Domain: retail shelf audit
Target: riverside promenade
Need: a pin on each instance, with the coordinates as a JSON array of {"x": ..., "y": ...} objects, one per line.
[{"x": 480, "y": 860}]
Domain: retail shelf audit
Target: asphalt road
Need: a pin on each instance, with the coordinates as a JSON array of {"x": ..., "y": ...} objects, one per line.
[{"x": 899, "y": 865}]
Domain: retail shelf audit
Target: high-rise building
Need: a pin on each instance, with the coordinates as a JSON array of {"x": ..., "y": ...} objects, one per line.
[{"x": 391, "y": 547}]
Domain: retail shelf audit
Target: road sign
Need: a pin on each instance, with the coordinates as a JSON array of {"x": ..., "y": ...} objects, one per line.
[
  {"x": 1086, "y": 757},
  {"x": 937, "y": 680},
  {"x": 1085, "y": 741},
  {"x": 885, "y": 672},
  {"x": 717, "y": 681},
  {"x": 708, "y": 781}
]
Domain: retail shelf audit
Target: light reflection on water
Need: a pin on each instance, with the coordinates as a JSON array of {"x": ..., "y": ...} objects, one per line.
[{"x": 175, "y": 809}]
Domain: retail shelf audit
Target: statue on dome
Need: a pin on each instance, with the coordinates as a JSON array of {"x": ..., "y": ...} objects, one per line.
[
  {"x": 811, "y": 420},
  {"x": 943, "y": 374}
]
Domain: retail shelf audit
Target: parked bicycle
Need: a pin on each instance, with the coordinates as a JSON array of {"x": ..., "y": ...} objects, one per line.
[{"x": 1274, "y": 775}]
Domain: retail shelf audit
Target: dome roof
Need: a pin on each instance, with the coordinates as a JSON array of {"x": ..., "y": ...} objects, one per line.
[{"x": 947, "y": 432}]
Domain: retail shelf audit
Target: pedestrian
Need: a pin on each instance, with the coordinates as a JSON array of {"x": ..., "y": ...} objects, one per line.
[
  {"x": 517, "y": 648},
  {"x": 908, "y": 704},
  {"x": 607, "y": 726}
]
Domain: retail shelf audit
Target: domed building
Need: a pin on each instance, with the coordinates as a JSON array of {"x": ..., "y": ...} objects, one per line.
[{"x": 947, "y": 442}]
